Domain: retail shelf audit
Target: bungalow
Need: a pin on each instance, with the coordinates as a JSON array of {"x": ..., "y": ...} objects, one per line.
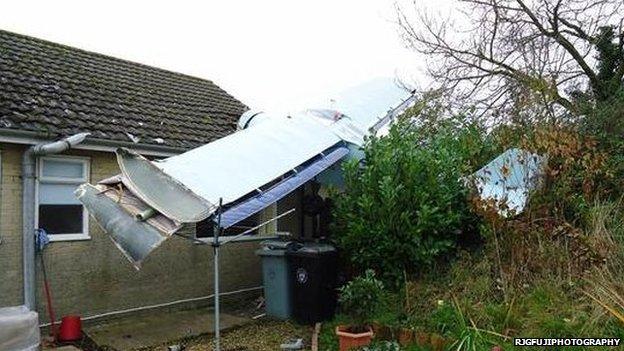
[{"x": 50, "y": 91}]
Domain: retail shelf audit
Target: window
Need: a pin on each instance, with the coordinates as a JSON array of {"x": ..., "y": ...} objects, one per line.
[{"x": 58, "y": 211}]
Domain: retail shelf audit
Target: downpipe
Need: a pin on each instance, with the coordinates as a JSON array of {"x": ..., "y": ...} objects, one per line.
[{"x": 29, "y": 176}]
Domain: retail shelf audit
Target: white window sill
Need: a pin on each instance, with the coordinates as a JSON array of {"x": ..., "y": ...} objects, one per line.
[{"x": 68, "y": 237}]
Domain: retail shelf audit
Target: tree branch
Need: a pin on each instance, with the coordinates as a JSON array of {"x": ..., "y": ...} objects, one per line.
[{"x": 565, "y": 43}]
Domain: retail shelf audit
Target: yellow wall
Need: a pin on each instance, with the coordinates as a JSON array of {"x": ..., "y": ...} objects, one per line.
[{"x": 91, "y": 277}]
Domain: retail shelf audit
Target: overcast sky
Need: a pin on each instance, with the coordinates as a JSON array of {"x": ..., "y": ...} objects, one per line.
[{"x": 272, "y": 55}]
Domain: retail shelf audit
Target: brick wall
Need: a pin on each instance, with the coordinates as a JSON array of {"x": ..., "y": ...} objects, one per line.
[
  {"x": 91, "y": 277},
  {"x": 10, "y": 227}
]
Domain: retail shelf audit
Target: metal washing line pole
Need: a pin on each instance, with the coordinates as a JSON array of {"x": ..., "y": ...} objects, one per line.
[
  {"x": 215, "y": 248},
  {"x": 216, "y": 245}
]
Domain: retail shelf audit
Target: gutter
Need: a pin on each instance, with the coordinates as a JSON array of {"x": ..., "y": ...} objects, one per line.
[
  {"x": 29, "y": 175},
  {"x": 23, "y": 137}
]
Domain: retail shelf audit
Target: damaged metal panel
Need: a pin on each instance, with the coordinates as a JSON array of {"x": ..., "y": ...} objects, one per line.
[
  {"x": 506, "y": 182},
  {"x": 134, "y": 238},
  {"x": 116, "y": 190},
  {"x": 160, "y": 190}
]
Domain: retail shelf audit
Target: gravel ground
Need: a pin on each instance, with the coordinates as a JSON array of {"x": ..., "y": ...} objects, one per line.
[{"x": 264, "y": 335}]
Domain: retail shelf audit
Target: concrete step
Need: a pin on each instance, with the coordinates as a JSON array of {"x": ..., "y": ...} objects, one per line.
[{"x": 63, "y": 348}]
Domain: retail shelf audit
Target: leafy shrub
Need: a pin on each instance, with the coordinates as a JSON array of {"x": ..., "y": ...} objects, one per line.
[
  {"x": 405, "y": 205},
  {"x": 360, "y": 298}
]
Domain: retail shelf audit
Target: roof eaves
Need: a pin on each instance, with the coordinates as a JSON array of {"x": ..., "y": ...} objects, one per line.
[{"x": 22, "y": 137}]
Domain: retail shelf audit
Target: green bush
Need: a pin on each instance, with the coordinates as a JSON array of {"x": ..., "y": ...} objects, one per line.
[
  {"x": 360, "y": 299},
  {"x": 405, "y": 204}
]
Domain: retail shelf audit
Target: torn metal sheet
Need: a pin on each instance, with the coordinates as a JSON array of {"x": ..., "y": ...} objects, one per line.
[
  {"x": 507, "y": 181},
  {"x": 161, "y": 191},
  {"x": 134, "y": 238},
  {"x": 231, "y": 167},
  {"x": 136, "y": 207}
]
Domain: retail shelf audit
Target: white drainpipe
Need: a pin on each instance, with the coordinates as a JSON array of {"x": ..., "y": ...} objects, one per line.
[{"x": 29, "y": 174}]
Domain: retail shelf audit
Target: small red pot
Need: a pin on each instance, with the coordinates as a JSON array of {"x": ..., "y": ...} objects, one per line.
[
  {"x": 71, "y": 328},
  {"x": 422, "y": 338},
  {"x": 406, "y": 336},
  {"x": 438, "y": 343},
  {"x": 350, "y": 341}
]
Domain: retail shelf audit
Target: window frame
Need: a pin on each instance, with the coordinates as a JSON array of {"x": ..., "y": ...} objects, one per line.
[{"x": 86, "y": 162}]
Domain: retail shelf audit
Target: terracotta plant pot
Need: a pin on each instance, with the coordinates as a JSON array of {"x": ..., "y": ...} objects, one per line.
[
  {"x": 422, "y": 338},
  {"x": 406, "y": 336},
  {"x": 350, "y": 340},
  {"x": 438, "y": 343}
]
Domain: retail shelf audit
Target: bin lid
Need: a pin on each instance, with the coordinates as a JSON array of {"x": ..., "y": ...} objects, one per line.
[
  {"x": 274, "y": 247},
  {"x": 276, "y": 244},
  {"x": 315, "y": 249}
]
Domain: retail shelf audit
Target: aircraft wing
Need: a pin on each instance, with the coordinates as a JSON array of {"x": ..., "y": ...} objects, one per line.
[{"x": 248, "y": 171}]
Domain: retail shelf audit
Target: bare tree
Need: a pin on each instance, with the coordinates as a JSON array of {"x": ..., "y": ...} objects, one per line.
[{"x": 513, "y": 57}]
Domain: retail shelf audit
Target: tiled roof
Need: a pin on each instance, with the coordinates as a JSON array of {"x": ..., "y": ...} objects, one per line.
[{"x": 56, "y": 90}]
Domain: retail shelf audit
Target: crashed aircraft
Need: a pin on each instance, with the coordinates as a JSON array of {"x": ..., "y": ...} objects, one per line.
[{"x": 266, "y": 159}]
